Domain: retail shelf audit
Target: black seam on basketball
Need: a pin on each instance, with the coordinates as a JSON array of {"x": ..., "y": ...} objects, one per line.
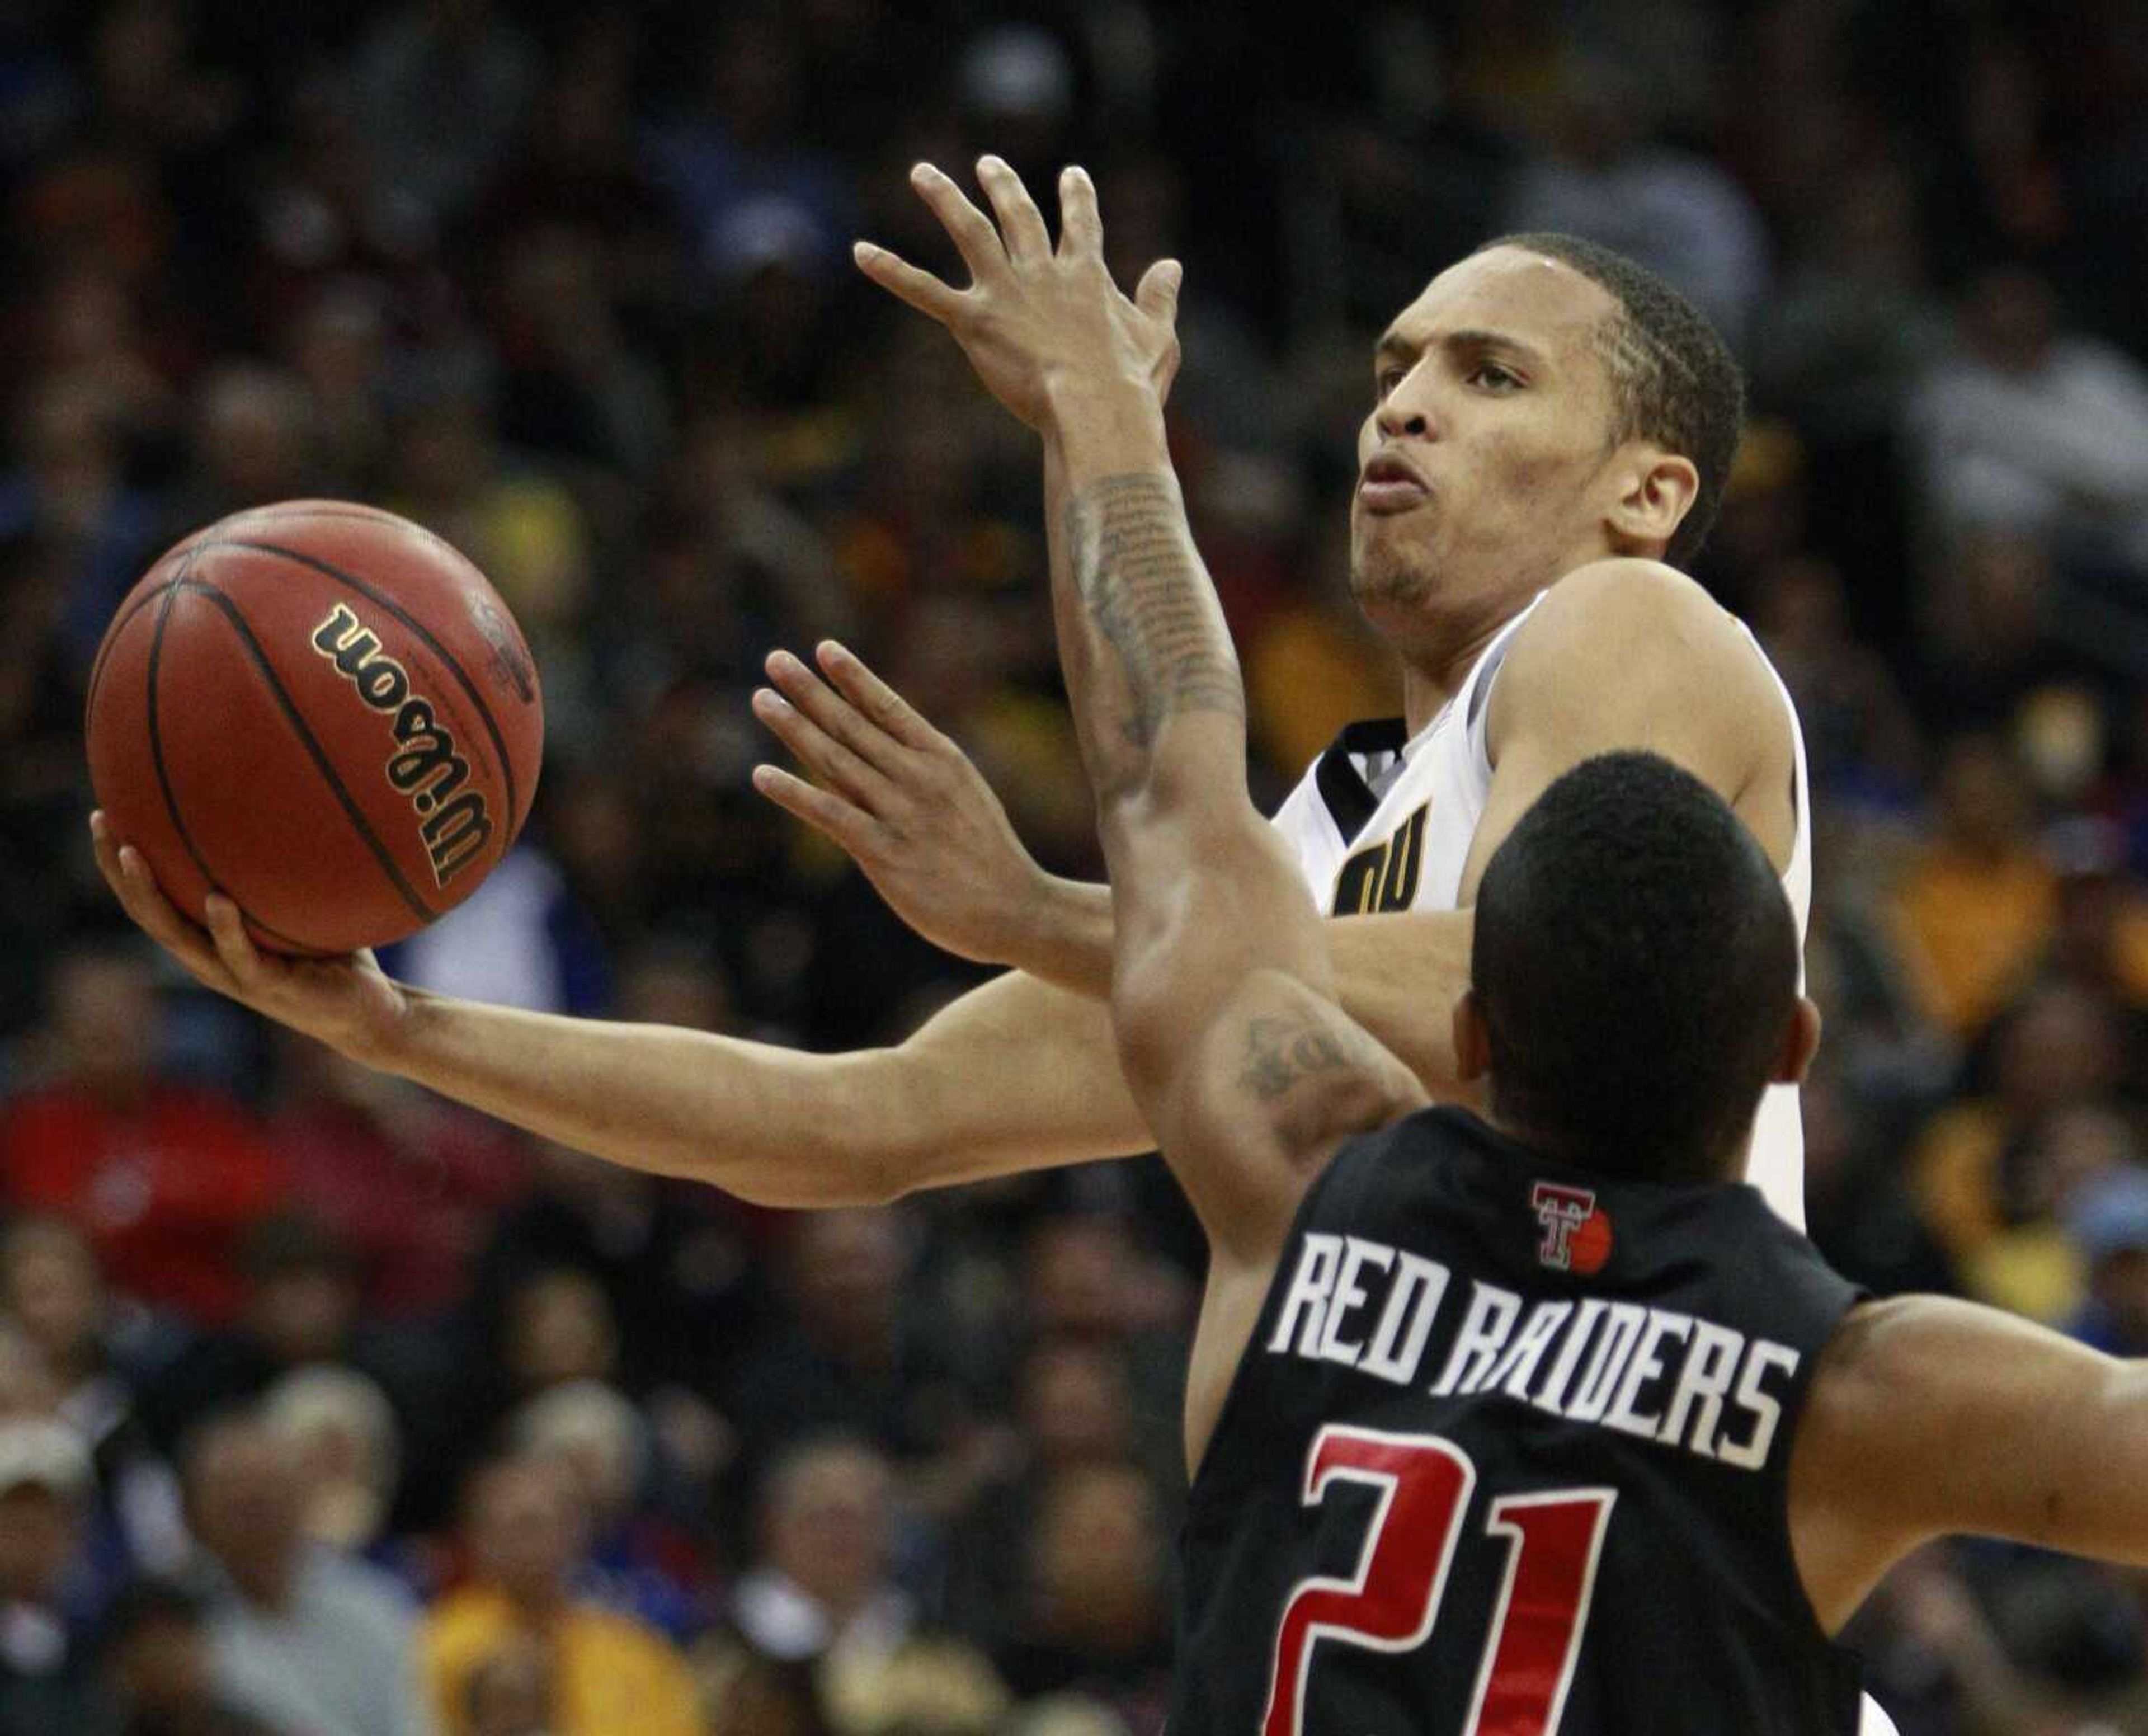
[
  {"x": 322, "y": 763},
  {"x": 380, "y": 599},
  {"x": 111, "y": 634},
  {"x": 168, "y": 592}
]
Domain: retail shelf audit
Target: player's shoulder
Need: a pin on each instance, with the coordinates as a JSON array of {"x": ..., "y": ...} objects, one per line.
[
  {"x": 1658, "y": 630},
  {"x": 1625, "y": 598}
]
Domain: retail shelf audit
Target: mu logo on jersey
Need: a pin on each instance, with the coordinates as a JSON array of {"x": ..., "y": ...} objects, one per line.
[
  {"x": 1384, "y": 876},
  {"x": 1576, "y": 1234}
]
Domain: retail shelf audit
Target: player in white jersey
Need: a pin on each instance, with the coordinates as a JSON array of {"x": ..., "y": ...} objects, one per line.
[
  {"x": 1549, "y": 421},
  {"x": 1385, "y": 821}
]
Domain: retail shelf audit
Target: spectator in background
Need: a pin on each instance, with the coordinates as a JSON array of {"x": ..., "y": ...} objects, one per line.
[
  {"x": 527, "y": 533},
  {"x": 447, "y": 90},
  {"x": 337, "y": 343},
  {"x": 924, "y": 1688},
  {"x": 1073, "y": 1406},
  {"x": 2055, "y": 1052},
  {"x": 2028, "y": 428},
  {"x": 520, "y": 940},
  {"x": 68, "y": 491},
  {"x": 844, "y": 1359},
  {"x": 1977, "y": 905},
  {"x": 819, "y": 1587},
  {"x": 745, "y": 144},
  {"x": 42, "y": 692},
  {"x": 47, "y": 1681},
  {"x": 164, "y": 1179},
  {"x": 636, "y": 1561},
  {"x": 2108, "y": 1220},
  {"x": 1096, "y": 1619},
  {"x": 672, "y": 1265},
  {"x": 1065, "y": 1714},
  {"x": 1084, "y": 1281},
  {"x": 747, "y": 1695},
  {"x": 526, "y": 1528},
  {"x": 305, "y": 1638},
  {"x": 1854, "y": 325},
  {"x": 574, "y": 390},
  {"x": 510, "y": 1693},
  {"x": 410, "y": 1183},
  {"x": 157, "y": 1672},
  {"x": 51, "y": 1291},
  {"x": 253, "y": 442},
  {"x": 1674, "y": 210},
  {"x": 339, "y": 1430},
  {"x": 301, "y": 1307},
  {"x": 1986, "y": 614},
  {"x": 1859, "y": 1209},
  {"x": 1861, "y": 741}
]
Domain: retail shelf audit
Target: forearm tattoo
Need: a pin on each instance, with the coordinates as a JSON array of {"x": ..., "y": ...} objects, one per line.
[{"x": 1143, "y": 587}]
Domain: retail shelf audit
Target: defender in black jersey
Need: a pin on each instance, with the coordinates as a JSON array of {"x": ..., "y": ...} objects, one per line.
[
  {"x": 1509, "y": 1451},
  {"x": 1531, "y": 1423},
  {"x": 1510, "y": 1448}
]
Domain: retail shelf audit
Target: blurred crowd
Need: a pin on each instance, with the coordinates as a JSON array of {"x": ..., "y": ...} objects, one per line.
[{"x": 327, "y": 1409}]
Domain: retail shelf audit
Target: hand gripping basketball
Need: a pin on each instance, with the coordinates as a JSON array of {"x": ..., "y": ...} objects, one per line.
[{"x": 349, "y": 1003}]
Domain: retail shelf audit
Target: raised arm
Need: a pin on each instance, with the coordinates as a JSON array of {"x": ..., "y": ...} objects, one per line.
[
  {"x": 1223, "y": 998},
  {"x": 1929, "y": 1416}
]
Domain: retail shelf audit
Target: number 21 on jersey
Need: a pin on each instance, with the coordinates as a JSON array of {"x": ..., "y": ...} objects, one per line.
[{"x": 1425, "y": 1482}]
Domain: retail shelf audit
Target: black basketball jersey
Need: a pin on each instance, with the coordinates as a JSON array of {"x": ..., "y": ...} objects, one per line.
[{"x": 1508, "y": 1454}]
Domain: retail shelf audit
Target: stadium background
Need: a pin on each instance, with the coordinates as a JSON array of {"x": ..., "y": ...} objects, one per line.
[{"x": 572, "y": 289}]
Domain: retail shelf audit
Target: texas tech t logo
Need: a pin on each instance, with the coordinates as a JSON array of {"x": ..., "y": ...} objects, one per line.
[{"x": 1576, "y": 1235}]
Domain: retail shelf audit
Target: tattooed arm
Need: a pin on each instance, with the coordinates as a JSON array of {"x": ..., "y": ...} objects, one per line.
[{"x": 1224, "y": 1000}]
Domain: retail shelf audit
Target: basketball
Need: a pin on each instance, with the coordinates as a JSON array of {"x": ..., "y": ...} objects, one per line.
[{"x": 323, "y": 712}]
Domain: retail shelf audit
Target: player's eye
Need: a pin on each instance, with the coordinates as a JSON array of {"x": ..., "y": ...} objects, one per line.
[
  {"x": 1494, "y": 377},
  {"x": 1387, "y": 379}
]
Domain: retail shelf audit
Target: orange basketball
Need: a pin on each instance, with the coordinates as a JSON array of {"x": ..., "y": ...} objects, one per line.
[{"x": 323, "y": 712}]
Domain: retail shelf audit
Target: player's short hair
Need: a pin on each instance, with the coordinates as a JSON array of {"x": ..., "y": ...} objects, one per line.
[
  {"x": 1636, "y": 966},
  {"x": 1674, "y": 379}
]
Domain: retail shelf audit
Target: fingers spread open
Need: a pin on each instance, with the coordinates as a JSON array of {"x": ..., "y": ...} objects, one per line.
[
  {"x": 1080, "y": 227},
  {"x": 820, "y": 753},
  {"x": 875, "y": 699},
  {"x": 907, "y": 283},
  {"x": 1157, "y": 294},
  {"x": 1021, "y": 224},
  {"x": 971, "y": 229},
  {"x": 854, "y": 830}
]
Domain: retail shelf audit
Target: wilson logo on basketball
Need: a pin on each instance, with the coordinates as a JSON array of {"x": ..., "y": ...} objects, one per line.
[
  {"x": 425, "y": 767},
  {"x": 1576, "y": 1233}
]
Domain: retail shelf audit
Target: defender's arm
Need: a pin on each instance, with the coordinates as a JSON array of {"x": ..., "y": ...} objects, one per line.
[
  {"x": 1929, "y": 1416},
  {"x": 1223, "y": 994}
]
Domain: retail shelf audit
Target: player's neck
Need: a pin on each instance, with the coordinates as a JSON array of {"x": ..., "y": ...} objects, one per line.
[{"x": 1432, "y": 676}]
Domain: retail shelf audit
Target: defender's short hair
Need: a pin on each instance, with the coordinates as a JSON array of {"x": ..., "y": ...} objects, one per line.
[
  {"x": 1636, "y": 966},
  {"x": 1673, "y": 377}
]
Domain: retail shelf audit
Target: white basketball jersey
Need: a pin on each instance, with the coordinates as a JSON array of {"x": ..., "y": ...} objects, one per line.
[{"x": 1380, "y": 822}]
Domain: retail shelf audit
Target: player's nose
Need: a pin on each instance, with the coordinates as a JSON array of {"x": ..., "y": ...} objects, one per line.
[{"x": 1397, "y": 419}]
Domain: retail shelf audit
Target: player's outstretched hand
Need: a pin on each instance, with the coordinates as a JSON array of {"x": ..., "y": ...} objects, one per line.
[
  {"x": 349, "y": 1003},
  {"x": 1034, "y": 309},
  {"x": 904, "y": 802}
]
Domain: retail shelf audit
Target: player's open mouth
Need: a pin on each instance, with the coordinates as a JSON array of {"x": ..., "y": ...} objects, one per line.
[{"x": 1390, "y": 486}]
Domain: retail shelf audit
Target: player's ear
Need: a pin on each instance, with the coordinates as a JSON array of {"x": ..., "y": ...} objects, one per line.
[
  {"x": 1800, "y": 1043},
  {"x": 1656, "y": 490},
  {"x": 1472, "y": 1042}
]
